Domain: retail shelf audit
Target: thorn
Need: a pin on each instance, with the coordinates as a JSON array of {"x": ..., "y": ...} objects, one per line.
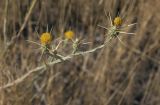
[{"x": 103, "y": 27}]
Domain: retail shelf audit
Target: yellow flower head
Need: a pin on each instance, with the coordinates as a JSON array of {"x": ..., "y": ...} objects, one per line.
[
  {"x": 46, "y": 38},
  {"x": 69, "y": 34},
  {"x": 117, "y": 21}
]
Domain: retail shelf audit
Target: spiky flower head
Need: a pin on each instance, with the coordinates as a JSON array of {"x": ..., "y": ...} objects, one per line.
[
  {"x": 46, "y": 38},
  {"x": 117, "y": 21},
  {"x": 69, "y": 34}
]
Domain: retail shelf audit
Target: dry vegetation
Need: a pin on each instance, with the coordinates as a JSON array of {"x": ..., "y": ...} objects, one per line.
[{"x": 119, "y": 74}]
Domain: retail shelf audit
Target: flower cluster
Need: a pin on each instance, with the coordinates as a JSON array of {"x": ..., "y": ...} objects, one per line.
[{"x": 53, "y": 48}]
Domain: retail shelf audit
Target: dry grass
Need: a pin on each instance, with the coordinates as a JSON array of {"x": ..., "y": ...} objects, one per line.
[{"x": 122, "y": 73}]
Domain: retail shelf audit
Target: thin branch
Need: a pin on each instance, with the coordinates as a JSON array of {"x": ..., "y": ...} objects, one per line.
[
  {"x": 37, "y": 69},
  {"x": 5, "y": 22},
  {"x": 24, "y": 23}
]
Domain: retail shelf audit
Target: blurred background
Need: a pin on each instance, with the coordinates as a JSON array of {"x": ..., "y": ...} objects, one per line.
[{"x": 119, "y": 74}]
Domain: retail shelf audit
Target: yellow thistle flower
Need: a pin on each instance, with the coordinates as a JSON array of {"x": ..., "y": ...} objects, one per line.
[
  {"x": 117, "y": 21},
  {"x": 69, "y": 34},
  {"x": 46, "y": 38}
]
